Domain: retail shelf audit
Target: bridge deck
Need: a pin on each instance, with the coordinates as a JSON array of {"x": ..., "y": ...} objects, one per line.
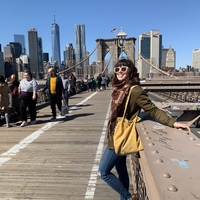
[{"x": 57, "y": 160}]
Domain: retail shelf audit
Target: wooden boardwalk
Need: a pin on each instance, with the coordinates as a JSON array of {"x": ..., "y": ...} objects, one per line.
[{"x": 57, "y": 160}]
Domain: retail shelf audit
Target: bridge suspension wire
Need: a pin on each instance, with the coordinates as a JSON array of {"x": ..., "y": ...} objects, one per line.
[
  {"x": 108, "y": 62},
  {"x": 79, "y": 62},
  {"x": 149, "y": 62}
]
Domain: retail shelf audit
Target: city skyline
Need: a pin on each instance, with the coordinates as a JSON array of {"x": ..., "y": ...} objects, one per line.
[{"x": 176, "y": 22}]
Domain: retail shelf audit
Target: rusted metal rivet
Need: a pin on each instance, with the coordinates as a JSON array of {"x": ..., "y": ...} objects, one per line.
[
  {"x": 159, "y": 161},
  {"x": 151, "y": 144},
  {"x": 172, "y": 188},
  {"x": 166, "y": 175},
  {"x": 155, "y": 151}
]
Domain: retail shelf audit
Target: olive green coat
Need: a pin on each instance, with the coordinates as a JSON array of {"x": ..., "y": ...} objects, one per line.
[
  {"x": 4, "y": 98},
  {"x": 139, "y": 100}
]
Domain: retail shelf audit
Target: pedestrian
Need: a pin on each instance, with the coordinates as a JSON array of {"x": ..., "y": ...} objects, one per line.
[
  {"x": 28, "y": 88},
  {"x": 54, "y": 87},
  {"x": 73, "y": 79},
  {"x": 67, "y": 88},
  {"x": 14, "y": 86},
  {"x": 4, "y": 100},
  {"x": 93, "y": 84},
  {"x": 125, "y": 76},
  {"x": 99, "y": 79},
  {"x": 103, "y": 82}
]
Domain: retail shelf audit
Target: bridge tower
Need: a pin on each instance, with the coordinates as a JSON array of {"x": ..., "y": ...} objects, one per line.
[{"x": 115, "y": 48}]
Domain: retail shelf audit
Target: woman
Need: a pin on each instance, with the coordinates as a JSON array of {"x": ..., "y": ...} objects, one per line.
[
  {"x": 124, "y": 77},
  {"x": 14, "y": 84},
  {"x": 4, "y": 100},
  {"x": 28, "y": 88}
]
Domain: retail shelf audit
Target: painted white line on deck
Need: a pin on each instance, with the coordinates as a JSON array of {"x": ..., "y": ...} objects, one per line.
[
  {"x": 4, "y": 157},
  {"x": 93, "y": 176}
]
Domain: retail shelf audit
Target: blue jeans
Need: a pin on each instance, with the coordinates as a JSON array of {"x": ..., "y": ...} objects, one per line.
[
  {"x": 66, "y": 96},
  {"x": 121, "y": 183}
]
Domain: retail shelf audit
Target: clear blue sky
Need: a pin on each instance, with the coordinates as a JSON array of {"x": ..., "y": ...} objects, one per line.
[{"x": 177, "y": 21}]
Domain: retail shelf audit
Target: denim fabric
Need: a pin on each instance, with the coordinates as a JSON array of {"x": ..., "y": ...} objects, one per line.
[
  {"x": 66, "y": 96},
  {"x": 121, "y": 183}
]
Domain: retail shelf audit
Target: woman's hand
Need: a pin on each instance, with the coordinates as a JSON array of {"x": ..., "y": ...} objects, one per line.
[
  {"x": 34, "y": 96},
  {"x": 183, "y": 126}
]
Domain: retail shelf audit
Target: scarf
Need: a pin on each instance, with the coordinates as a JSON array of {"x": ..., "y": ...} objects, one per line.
[{"x": 118, "y": 94}]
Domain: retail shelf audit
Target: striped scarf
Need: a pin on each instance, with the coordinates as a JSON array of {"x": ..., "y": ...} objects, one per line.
[{"x": 118, "y": 94}]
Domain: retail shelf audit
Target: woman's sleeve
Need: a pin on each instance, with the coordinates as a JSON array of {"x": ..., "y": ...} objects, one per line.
[
  {"x": 149, "y": 107},
  {"x": 35, "y": 86}
]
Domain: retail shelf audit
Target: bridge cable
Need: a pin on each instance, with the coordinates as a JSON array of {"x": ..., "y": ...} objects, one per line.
[
  {"x": 149, "y": 62},
  {"x": 79, "y": 62}
]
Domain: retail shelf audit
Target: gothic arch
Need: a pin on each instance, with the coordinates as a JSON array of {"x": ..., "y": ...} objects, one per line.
[{"x": 112, "y": 46}]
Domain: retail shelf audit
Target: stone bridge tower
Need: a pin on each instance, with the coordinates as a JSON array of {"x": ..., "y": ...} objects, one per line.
[{"x": 115, "y": 48}]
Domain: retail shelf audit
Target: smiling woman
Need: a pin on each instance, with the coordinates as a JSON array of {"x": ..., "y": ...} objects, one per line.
[{"x": 126, "y": 93}]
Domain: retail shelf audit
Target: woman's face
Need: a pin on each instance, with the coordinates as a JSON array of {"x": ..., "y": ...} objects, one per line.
[
  {"x": 121, "y": 72},
  {"x": 26, "y": 76}
]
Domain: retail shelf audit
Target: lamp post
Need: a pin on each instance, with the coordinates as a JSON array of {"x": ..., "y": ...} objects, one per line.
[{"x": 121, "y": 37}]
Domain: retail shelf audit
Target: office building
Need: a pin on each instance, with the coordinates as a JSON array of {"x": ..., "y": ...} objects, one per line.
[
  {"x": 10, "y": 61},
  {"x": 196, "y": 60},
  {"x": 33, "y": 52},
  {"x": 69, "y": 55},
  {"x": 55, "y": 41},
  {"x": 21, "y": 40},
  {"x": 2, "y": 67},
  {"x": 45, "y": 57},
  {"x": 17, "y": 49},
  {"x": 150, "y": 49},
  {"x": 40, "y": 57},
  {"x": 80, "y": 53},
  {"x": 168, "y": 59}
]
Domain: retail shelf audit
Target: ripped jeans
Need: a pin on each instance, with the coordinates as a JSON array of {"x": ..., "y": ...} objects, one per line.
[{"x": 121, "y": 183}]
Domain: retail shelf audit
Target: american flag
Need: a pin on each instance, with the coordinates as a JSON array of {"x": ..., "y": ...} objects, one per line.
[{"x": 113, "y": 30}]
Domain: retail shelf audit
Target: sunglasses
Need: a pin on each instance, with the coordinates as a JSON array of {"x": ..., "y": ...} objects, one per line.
[{"x": 122, "y": 69}]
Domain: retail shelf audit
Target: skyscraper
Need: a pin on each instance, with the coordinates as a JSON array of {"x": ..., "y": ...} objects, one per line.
[
  {"x": 69, "y": 55},
  {"x": 80, "y": 43},
  {"x": 2, "y": 67},
  {"x": 33, "y": 52},
  {"x": 21, "y": 40},
  {"x": 17, "y": 48},
  {"x": 55, "y": 41},
  {"x": 150, "y": 47}
]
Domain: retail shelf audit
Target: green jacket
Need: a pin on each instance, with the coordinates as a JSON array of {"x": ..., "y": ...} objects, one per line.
[{"x": 139, "y": 100}]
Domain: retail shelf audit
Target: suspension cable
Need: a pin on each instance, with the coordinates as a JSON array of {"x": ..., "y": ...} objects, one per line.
[
  {"x": 149, "y": 62},
  {"x": 79, "y": 62}
]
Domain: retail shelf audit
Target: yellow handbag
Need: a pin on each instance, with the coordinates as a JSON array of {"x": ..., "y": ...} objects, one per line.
[{"x": 126, "y": 139}]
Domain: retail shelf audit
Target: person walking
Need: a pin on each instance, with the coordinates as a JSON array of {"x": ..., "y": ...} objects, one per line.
[
  {"x": 28, "y": 88},
  {"x": 4, "y": 100},
  {"x": 125, "y": 76},
  {"x": 66, "y": 87},
  {"x": 54, "y": 87},
  {"x": 103, "y": 82},
  {"x": 99, "y": 79}
]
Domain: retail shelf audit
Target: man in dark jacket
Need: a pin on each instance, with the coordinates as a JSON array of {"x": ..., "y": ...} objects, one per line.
[{"x": 55, "y": 90}]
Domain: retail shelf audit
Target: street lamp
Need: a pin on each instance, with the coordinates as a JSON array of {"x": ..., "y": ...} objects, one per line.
[{"x": 121, "y": 37}]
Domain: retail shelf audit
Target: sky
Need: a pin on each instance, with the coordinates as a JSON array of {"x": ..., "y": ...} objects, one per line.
[{"x": 177, "y": 22}]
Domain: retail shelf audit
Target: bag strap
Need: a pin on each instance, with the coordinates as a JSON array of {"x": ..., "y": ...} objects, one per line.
[{"x": 127, "y": 100}]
